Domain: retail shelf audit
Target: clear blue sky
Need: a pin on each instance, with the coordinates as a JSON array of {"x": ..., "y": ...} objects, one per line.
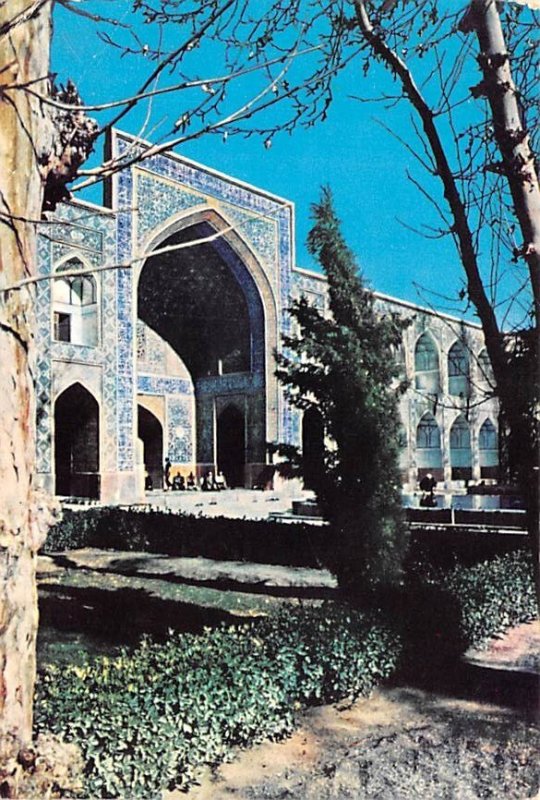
[{"x": 362, "y": 163}]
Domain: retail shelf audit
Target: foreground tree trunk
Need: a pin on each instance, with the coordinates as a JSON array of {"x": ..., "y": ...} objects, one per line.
[{"x": 25, "y": 31}]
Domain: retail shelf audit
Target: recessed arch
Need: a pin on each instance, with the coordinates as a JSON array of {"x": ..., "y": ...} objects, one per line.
[
  {"x": 312, "y": 447},
  {"x": 75, "y": 304},
  {"x": 488, "y": 447},
  {"x": 150, "y": 432},
  {"x": 486, "y": 380},
  {"x": 76, "y": 443},
  {"x": 231, "y": 444},
  {"x": 428, "y": 446},
  {"x": 426, "y": 364},
  {"x": 225, "y": 327}
]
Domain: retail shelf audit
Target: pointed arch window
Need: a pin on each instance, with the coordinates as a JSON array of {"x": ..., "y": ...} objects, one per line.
[
  {"x": 487, "y": 439},
  {"x": 426, "y": 364},
  {"x": 460, "y": 449},
  {"x": 485, "y": 371},
  {"x": 74, "y": 306},
  {"x": 458, "y": 370},
  {"x": 428, "y": 443},
  {"x": 488, "y": 446},
  {"x": 460, "y": 435},
  {"x": 428, "y": 434}
]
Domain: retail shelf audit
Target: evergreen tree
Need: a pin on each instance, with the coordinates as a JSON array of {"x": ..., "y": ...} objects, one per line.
[{"x": 343, "y": 366}]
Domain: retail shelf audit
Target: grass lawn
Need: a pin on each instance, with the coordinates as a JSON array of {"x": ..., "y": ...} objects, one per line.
[{"x": 92, "y": 602}]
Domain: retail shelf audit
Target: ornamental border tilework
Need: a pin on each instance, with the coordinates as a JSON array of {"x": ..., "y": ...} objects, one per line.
[
  {"x": 94, "y": 242},
  {"x": 186, "y": 185}
]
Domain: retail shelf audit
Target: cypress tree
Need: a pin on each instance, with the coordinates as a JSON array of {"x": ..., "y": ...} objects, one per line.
[{"x": 342, "y": 365}]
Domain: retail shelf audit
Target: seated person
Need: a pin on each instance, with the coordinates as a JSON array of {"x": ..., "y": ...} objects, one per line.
[
  {"x": 178, "y": 483},
  {"x": 191, "y": 483},
  {"x": 221, "y": 483},
  {"x": 148, "y": 483}
]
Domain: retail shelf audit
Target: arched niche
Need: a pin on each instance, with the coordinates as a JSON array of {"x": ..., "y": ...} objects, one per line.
[
  {"x": 460, "y": 449},
  {"x": 150, "y": 432},
  {"x": 76, "y": 443},
  {"x": 484, "y": 371},
  {"x": 488, "y": 447},
  {"x": 312, "y": 447},
  {"x": 458, "y": 370},
  {"x": 208, "y": 297},
  {"x": 428, "y": 447},
  {"x": 231, "y": 444}
]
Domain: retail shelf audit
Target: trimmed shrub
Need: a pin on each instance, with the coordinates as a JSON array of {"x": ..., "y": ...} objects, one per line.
[
  {"x": 151, "y": 719},
  {"x": 493, "y": 596},
  {"x": 155, "y": 531},
  {"x": 261, "y": 541}
]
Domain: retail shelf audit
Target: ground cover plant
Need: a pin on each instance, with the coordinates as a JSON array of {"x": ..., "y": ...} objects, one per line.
[{"x": 150, "y": 719}]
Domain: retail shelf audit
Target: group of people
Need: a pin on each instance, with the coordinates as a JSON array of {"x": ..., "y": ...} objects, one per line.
[{"x": 208, "y": 483}]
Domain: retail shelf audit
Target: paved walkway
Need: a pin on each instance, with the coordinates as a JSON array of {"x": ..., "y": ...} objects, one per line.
[{"x": 235, "y": 503}]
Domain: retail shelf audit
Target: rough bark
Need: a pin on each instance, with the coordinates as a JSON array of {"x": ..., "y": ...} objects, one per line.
[{"x": 25, "y": 30}]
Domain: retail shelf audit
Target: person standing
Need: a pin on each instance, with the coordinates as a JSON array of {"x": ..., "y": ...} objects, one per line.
[{"x": 167, "y": 474}]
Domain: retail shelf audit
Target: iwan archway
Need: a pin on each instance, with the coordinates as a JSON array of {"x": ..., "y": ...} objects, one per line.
[{"x": 208, "y": 298}]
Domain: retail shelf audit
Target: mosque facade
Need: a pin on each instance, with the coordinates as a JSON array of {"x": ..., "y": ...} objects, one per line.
[{"x": 164, "y": 347}]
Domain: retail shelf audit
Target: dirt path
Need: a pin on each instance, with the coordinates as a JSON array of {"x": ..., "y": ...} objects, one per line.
[
  {"x": 407, "y": 743},
  {"x": 401, "y": 743}
]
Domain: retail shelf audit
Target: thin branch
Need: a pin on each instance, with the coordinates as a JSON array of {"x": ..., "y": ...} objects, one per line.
[
  {"x": 24, "y": 16},
  {"x": 34, "y": 279},
  {"x": 204, "y": 83}
]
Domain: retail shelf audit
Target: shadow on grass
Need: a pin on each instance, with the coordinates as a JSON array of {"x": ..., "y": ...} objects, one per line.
[
  {"x": 134, "y": 568},
  {"x": 122, "y": 616}
]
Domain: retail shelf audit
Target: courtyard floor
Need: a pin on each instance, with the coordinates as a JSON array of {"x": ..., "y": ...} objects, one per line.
[{"x": 233, "y": 503}]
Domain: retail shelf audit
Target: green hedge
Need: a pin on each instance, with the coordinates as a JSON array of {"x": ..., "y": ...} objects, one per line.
[
  {"x": 149, "y": 720},
  {"x": 156, "y": 531},
  {"x": 493, "y": 596},
  {"x": 261, "y": 541}
]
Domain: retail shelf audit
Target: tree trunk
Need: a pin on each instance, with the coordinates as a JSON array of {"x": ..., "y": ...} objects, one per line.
[
  {"x": 25, "y": 31},
  {"x": 518, "y": 164},
  {"x": 519, "y": 168}
]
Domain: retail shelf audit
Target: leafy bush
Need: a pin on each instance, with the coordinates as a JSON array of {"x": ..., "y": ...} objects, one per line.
[
  {"x": 493, "y": 595},
  {"x": 149, "y": 720}
]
